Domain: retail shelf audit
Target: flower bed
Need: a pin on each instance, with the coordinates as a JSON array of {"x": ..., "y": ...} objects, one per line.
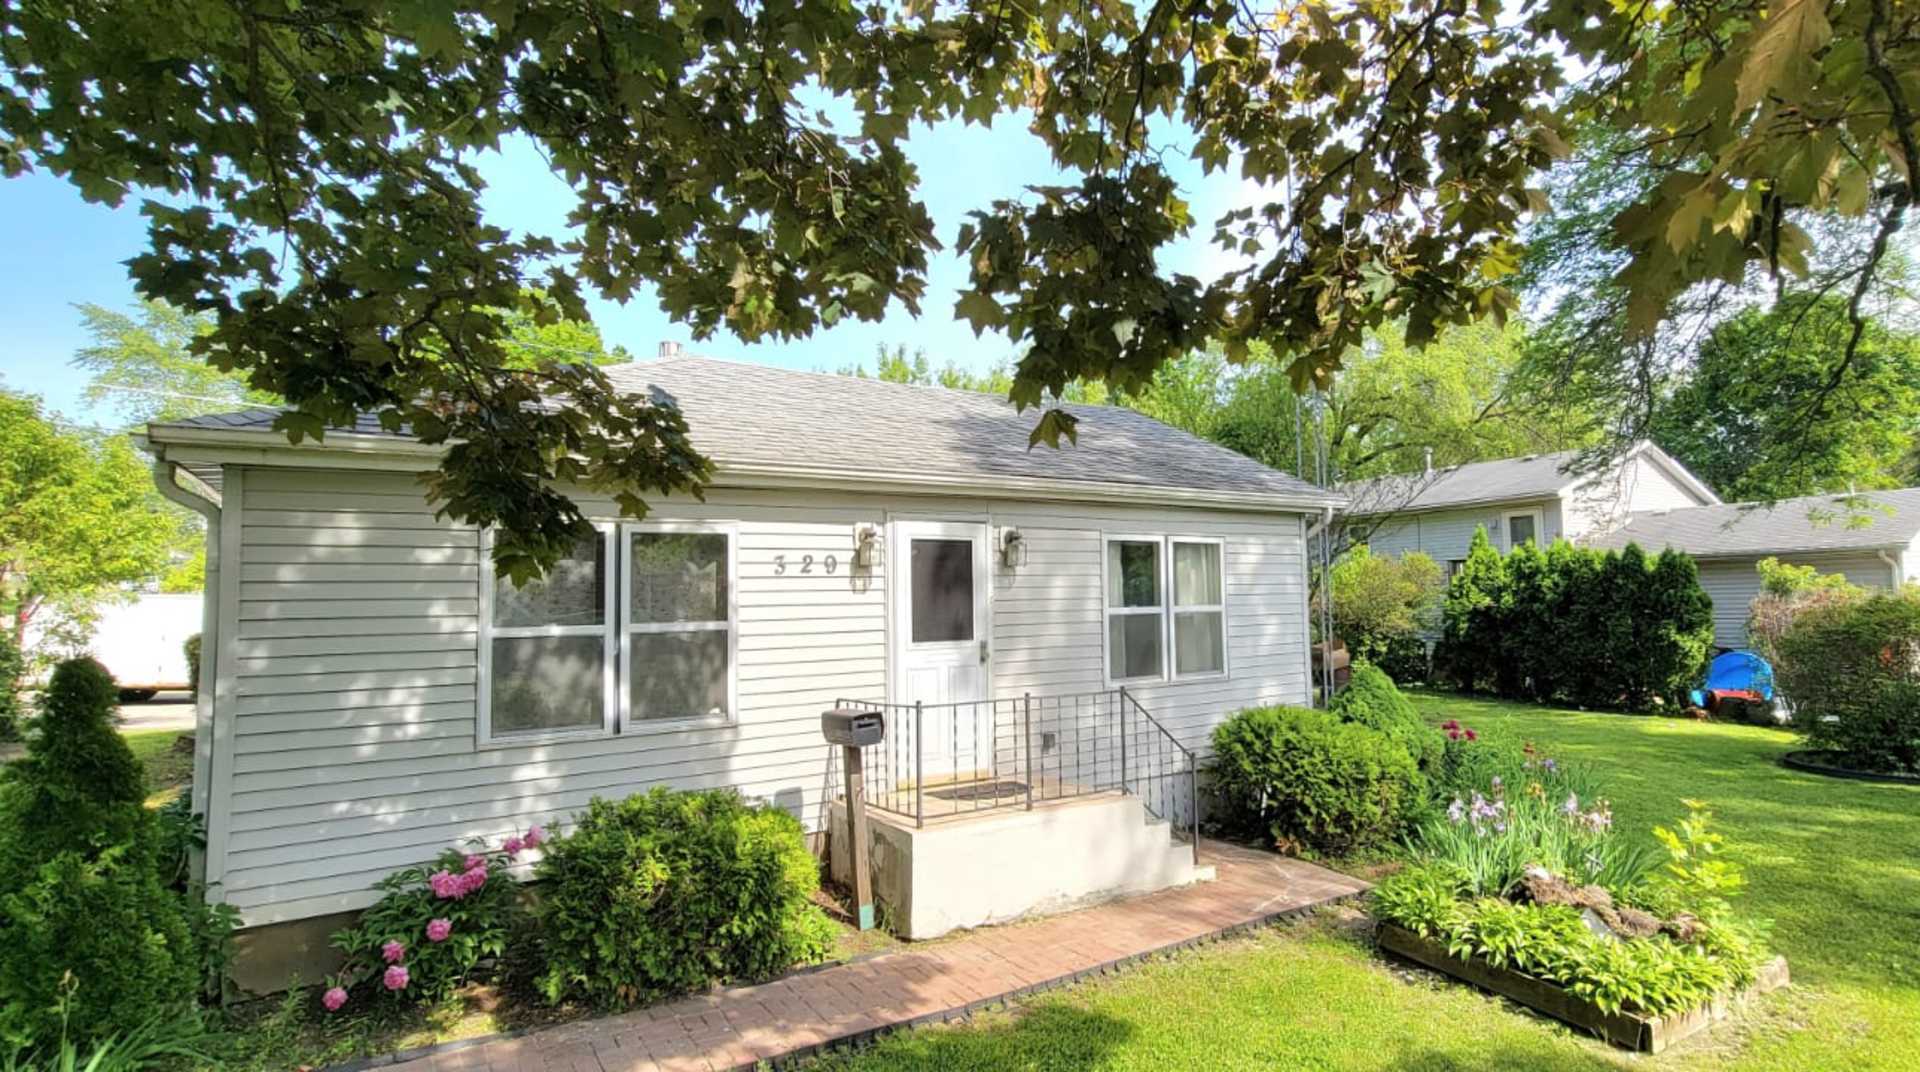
[{"x": 1521, "y": 884}]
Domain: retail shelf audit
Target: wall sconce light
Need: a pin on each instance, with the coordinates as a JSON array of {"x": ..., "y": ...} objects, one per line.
[
  {"x": 1013, "y": 548},
  {"x": 866, "y": 538}
]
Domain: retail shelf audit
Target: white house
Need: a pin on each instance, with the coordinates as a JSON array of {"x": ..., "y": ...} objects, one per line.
[
  {"x": 1539, "y": 497},
  {"x": 1873, "y": 538},
  {"x": 378, "y": 695}
]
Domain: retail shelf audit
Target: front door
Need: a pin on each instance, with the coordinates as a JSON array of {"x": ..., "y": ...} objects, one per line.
[{"x": 940, "y": 578}]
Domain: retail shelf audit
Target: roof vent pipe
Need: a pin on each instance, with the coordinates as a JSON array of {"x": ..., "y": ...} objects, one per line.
[
  {"x": 1429, "y": 461},
  {"x": 669, "y": 348}
]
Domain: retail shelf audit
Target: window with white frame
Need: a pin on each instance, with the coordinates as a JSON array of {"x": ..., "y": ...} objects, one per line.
[
  {"x": 1523, "y": 527},
  {"x": 1199, "y": 609},
  {"x": 635, "y": 627},
  {"x": 1165, "y": 595}
]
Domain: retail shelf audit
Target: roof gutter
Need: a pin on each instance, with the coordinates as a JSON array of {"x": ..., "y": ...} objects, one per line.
[
  {"x": 355, "y": 450},
  {"x": 202, "y": 500}
]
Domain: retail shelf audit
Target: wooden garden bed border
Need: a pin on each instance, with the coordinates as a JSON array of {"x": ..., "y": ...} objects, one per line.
[{"x": 1645, "y": 1034}]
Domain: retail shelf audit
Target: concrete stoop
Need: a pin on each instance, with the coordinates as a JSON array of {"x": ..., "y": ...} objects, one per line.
[{"x": 995, "y": 866}]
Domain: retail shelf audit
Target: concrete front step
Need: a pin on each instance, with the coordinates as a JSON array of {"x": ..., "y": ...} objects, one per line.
[{"x": 994, "y": 866}]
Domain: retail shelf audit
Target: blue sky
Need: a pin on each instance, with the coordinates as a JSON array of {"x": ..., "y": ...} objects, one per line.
[{"x": 62, "y": 251}]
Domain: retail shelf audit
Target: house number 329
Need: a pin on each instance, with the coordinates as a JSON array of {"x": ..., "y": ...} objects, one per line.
[{"x": 807, "y": 562}]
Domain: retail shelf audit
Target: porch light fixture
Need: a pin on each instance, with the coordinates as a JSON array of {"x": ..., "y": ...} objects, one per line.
[
  {"x": 1013, "y": 548},
  {"x": 865, "y": 537}
]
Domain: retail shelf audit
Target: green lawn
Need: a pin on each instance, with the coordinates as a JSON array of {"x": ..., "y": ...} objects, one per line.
[
  {"x": 168, "y": 771},
  {"x": 1835, "y": 864}
]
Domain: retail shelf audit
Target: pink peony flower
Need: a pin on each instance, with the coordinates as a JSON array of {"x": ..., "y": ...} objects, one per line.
[
  {"x": 473, "y": 880},
  {"x": 512, "y": 846},
  {"x": 535, "y": 835},
  {"x": 474, "y": 860},
  {"x": 396, "y": 978},
  {"x": 393, "y": 951},
  {"x": 445, "y": 884},
  {"x": 438, "y": 929},
  {"x": 334, "y": 998}
]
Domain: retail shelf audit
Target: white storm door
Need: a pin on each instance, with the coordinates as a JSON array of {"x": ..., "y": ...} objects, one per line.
[{"x": 941, "y": 577}]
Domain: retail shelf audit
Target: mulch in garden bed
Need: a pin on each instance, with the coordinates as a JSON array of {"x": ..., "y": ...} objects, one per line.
[{"x": 1830, "y": 763}]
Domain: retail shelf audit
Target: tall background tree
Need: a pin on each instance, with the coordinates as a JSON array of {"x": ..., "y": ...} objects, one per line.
[
  {"x": 310, "y": 169},
  {"x": 79, "y": 516}
]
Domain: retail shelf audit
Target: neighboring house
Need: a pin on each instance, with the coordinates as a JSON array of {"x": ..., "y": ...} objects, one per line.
[
  {"x": 379, "y": 696},
  {"x": 1873, "y": 538},
  {"x": 1537, "y": 498}
]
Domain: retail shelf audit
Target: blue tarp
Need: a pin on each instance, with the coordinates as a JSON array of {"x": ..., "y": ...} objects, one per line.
[{"x": 1737, "y": 671}]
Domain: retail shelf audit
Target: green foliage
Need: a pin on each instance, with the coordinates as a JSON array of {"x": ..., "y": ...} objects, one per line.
[
  {"x": 190, "y": 648},
  {"x": 1600, "y": 629},
  {"x": 348, "y": 264},
  {"x": 78, "y": 515},
  {"x": 1851, "y": 669},
  {"x": 1371, "y": 699},
  {"x": 1311, "y": 781},
  {"x": 1786, "y": 592},
  {"x": 1741, "y": 418},
  {"x": 163, "y": 1041},
  {"x": 13, "y": 704},
  {"x": 104, "y": 928},
  {"x": 1381, "y": 602},
  {"x": 666, "y": 892},
  {"x": 1779, "y": 578},
  {"x": 1693, "y": 876},
  {"x": 1423, "y": 897},
  {"x": 476, "y": 919},
  {"x": 79, "y": 787}
]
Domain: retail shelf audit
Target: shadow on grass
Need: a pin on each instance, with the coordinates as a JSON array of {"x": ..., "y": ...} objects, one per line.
[{"x": 1051, "y": 1035}]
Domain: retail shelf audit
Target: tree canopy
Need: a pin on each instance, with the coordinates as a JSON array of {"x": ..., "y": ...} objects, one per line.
[
  {"x": 309, "y": 169},
  {"x": 78, "y": 514}
]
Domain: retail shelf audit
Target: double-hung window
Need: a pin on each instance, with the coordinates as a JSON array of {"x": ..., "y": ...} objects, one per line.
[
  {"x": 1165, "y": 595},
  {"x": 633, "y": 629}
]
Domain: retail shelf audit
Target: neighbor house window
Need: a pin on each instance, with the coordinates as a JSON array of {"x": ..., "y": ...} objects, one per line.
[
  {"x": 1523, "y": 528},
  {"x": 1165, "y": 608},
  {"x": 635, "y": 627}
]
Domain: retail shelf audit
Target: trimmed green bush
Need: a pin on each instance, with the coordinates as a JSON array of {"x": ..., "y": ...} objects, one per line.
[
  {"x": 1310, "y": 781},
  {"x": 106, "y": 929},
  {"x": 79, "y": 787},
  {"x": 1852, "y": 672},
  {"x": 191, "y": 649},
  {"x": 666, "y": 892},
  {"x": 1598, "y": 629},
  {"x": 1383, "y": 604},
  {"x": 1374, "y": 701}
]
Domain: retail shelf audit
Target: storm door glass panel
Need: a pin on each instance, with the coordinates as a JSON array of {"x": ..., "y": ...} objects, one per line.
[
  {"x": 548, "y": 683},
  {"x": 942, "y": 591}
]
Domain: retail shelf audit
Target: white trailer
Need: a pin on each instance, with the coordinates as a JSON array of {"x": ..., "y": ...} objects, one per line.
[{"x": 141, "y": 643}]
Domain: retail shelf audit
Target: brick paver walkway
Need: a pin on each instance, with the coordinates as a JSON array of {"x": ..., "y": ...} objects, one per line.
[{"x": 739, "y": 1027}]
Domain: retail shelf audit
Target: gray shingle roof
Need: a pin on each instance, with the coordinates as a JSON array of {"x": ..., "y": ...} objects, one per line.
[
  {"x": 741, "y": 414},
  {"x": 1536, "y": 476},
  {"x": 1875, "y": 519}
]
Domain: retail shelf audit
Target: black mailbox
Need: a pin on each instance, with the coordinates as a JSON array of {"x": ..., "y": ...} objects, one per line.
[{"x": 852, "y": 727}]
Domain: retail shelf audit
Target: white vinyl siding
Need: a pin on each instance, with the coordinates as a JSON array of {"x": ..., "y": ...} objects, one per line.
[
  {"x": 347, "y": 738},
  {"x": 1445, "y": 535},
  {"x": 1733, "y": 582}
]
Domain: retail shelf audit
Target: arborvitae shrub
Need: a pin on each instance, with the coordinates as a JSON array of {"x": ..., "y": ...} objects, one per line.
[
  {"x": 79, "y": 787},
  {"x": 1374, "y": 701}
]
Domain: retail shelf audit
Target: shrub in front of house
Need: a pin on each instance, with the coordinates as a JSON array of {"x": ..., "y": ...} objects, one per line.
[
  {"x": 1312, "y": 782},
  {"x": 434, "y": 926},
  {"x": 87, "y": 923},
  {"x": 1371, "y": 699},
  {"x": 1852, "y": 671},
  {"x": 1595, "y": 628},
  {"x": 12, "y": 705},
  {"x": 667, "y": 892},
  {"x": 191, "y": 649},
  {"x": 1382, "y": 604}
]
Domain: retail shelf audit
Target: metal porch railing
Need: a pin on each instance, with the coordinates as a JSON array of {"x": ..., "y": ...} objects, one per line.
[{"x": 943, "y": 760}]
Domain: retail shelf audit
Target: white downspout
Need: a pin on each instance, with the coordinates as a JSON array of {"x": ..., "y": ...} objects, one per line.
[
  {"x": 207, "y": 505},
  {"x": 1894, "y": 563}
]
